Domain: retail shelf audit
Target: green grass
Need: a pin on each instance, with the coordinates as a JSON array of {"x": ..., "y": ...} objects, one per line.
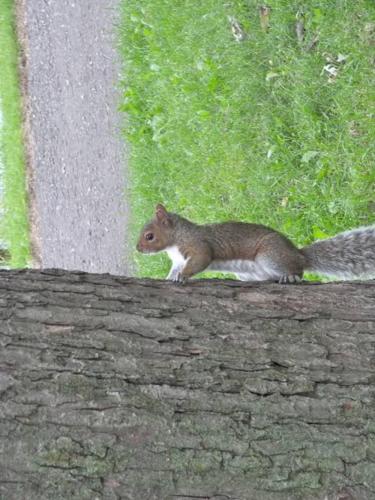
[
  {"x": 252, "y": 131},
  {"x": 14, "y": 222}
]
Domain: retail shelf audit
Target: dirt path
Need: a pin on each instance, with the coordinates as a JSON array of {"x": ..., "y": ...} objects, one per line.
[{"x": 76, "y": 156}]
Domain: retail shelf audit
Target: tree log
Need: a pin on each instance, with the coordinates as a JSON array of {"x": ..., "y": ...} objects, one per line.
[{"x": 119, "y": 388}]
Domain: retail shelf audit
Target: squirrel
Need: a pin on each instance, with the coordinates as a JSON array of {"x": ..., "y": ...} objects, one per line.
[{"x": 254, "y": 252}]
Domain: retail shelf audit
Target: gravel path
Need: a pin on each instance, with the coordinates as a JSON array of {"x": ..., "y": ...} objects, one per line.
[{"x": 76, "y": 157}]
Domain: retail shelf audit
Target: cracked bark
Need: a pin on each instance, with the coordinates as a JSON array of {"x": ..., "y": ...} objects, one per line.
[{"x": 119, "y": 388}]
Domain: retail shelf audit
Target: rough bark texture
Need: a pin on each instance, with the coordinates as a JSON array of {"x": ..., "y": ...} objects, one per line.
[{"x": 120, "y": 388}]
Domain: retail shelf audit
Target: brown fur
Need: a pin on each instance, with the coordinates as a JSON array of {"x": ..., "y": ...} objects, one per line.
[
  {"x": 202, "y": 244},
  {"x": 350, "y": 254}
]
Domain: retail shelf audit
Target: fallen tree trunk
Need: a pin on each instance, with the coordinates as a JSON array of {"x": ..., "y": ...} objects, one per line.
[{"x": 122, "y": 388}]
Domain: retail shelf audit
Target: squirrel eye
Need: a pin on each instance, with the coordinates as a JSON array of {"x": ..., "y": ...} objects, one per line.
[{"x": 149, "y": 236}]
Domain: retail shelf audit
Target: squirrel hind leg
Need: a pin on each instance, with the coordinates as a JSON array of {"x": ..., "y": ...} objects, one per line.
[{"x": 285, "y": 267}]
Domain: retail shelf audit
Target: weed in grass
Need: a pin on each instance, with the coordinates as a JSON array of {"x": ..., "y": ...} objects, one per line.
[{"x": 254, "y": 130}]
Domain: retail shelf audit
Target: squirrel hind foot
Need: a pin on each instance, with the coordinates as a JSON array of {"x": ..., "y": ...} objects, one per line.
[{"x": 290, "y": 278}]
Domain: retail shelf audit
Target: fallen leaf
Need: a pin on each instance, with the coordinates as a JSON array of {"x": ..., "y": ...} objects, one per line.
[
  {"x": 270, "y": 75},
  {"x": 264, "y": 15},
  {"x": 309, "y": 155},
  {"x": 300, "y": 30},
  {"x": 238, "y": 32}
]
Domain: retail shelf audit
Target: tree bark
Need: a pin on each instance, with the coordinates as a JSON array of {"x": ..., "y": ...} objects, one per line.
[{"x": 120, "y": 388}]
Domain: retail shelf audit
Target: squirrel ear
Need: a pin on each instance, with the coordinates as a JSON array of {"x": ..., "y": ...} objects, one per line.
[
  {"x": 160, "y": 211},
  {"x": 162, "y": 215}
]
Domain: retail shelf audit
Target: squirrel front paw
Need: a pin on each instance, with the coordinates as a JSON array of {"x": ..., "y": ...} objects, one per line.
[
  {"x": 290, "y": 278},
  {"x": 173, "y": 273},
  {"x": 176, "y": 276},
  {"x": 180, "y": 278}
]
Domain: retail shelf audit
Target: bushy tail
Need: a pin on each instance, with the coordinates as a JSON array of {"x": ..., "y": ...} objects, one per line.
[{"x": 347, "y": 255}]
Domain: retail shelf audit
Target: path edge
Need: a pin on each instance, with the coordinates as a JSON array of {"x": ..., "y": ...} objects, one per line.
[{"x": 28, "y": 142}]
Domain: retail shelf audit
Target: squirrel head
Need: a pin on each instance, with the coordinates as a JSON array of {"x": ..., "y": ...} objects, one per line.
[{"x": 157, "y": 234}]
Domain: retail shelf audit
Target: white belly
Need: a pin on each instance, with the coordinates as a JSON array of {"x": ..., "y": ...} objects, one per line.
[
  {"x": 178, "y": 262},
  {"x": 246, "y": 270}
]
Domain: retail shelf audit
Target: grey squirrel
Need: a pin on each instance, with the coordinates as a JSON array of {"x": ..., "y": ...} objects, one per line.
[{"x": 254, "y": 252}]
